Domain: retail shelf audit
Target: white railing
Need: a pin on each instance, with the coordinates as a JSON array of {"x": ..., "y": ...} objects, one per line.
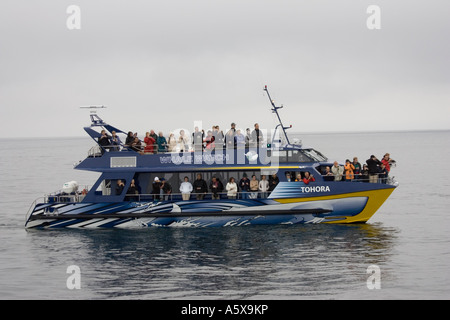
[{"x": 33, "y": 204}]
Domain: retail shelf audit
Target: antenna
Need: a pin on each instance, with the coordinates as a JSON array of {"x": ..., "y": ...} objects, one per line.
[
  {"x": 93, "y": 108},
  {"x": 275, "y": 110}
]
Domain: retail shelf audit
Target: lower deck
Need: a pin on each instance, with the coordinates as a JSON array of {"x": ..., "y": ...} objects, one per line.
[{"x": 337, "y": 207}]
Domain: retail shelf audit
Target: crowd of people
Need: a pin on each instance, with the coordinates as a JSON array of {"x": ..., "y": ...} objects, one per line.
[
  {"x": 199, "y": 140},
  {"x": 251, "y": 188},
  {"x": 372, "y": 171},
  {"x": 245, "y": 189}
]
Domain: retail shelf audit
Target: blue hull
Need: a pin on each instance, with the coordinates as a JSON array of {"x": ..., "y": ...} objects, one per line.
[{"x": 206, "y": 213}]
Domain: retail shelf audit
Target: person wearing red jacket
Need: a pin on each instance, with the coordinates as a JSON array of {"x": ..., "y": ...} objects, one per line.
[
  {"x": 308, "y": 178},
  {"x": 150, "y": 143},
  {"x": 387, "y": 162}
]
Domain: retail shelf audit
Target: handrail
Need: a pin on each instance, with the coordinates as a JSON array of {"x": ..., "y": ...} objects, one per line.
[
  {"x": 358, "y": 176},
  {"x": 199, "y": 196},
  {"x": 98, "y": 150},
  {"x": 78, "y": 196},
  {"x": 30, "y": 210}
]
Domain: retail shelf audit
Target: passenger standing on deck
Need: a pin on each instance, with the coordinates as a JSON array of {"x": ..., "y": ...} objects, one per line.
[
  {"x": 349, "y": 167},
  {"x": 115, "y": 141},
  {"x": 240, "y": 140},
  {"x": 161, "y": 142},
  {"x": 156, "y": 189},
  {"x": 254, "y": 188},
  {"x": 273, "y": 181},
  {"x": 200, "y": 187},
  {"x": 132, "y": 192},
  {"x": 257, "y": 137},
  {"x": 166, "y": 189},
  {"x": 230, "y": 137},
  {"x": 337, "y": 171},
  {"x": 263, "y": 186},
  {"x": 209, "y": 141},
  {"x": 186, "y": 189},
  {"x": 119, "y": 187},
  {"x": 129, "y": 140},
  {"x": 197, "y": 139},
  {"x": 104, "y": 141},
  {"x": 153, "y": 134},
  {"x": 149, "y": 143},
  {"x": 387, "y": 161},
  {"x": 218, "y": 137},
  {"x": 216, "y": 187},
  {"x": 232, "y": 188},
  {"x": 374, "y": 168},
  {"x": 358, "y": 168},
  {"x": 183, "y": 142},
  {"x": 248, "y": 137},
  {"x": 172, "y": 143},
  {"x": 244, "y": 184}
]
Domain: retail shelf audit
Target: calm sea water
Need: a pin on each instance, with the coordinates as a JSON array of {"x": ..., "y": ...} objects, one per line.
[{"x": 408, "y": 238}]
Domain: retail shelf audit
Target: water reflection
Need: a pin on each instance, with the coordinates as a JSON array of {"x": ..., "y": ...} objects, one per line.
[{"x": 222, "y": 263}]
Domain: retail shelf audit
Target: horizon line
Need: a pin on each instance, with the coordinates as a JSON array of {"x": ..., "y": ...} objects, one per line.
[{"x": 292, "y": 133}]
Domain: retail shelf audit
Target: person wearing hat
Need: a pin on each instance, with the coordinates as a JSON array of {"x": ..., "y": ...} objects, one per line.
[{"x": 156, "y": 189}]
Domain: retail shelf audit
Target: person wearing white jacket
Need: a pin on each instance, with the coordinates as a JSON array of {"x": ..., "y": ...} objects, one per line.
[
  {"x": 186, "y": 189},
  {"x": 263, "y": 186},
  {"x": 232, "y": 189}
]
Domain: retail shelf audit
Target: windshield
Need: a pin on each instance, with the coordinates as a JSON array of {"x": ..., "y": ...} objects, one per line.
[{"x": 314, "y": 154}]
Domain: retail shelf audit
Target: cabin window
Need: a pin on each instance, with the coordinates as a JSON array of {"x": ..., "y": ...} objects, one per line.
[
  {"x": 315, "y": 155},
  {"x": 281, "y": 154},
  {"x": 293, "y": 156}
]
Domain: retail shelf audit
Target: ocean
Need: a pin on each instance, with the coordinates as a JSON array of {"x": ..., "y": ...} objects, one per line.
[{"x": 403, "y": 252}]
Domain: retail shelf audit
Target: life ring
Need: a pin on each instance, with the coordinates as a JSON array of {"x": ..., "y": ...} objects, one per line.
[{"x": 84, "y": 192}]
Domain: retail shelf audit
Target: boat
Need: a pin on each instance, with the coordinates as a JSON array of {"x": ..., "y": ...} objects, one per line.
[{"x": 109, "y": 203}]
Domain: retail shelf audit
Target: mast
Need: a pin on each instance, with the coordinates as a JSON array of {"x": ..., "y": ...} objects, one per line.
[
  {"x": 275, "y": 110},
  {"x": 95, "y": 119}
]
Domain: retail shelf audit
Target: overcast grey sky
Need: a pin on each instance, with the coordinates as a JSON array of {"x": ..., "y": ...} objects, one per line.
[{"x": 165, "y": 64}]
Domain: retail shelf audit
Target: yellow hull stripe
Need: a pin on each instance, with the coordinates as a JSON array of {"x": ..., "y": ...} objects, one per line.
[{"x": 375, "y": 199}]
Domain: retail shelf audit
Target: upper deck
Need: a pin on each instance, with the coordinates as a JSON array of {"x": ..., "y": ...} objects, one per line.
[
  {"x": 107, "y": 160},
  {"x": 270, "y": 152}
]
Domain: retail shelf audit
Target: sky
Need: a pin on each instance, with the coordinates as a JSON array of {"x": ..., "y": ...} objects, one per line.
[{"x": 171, "y": 64}]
